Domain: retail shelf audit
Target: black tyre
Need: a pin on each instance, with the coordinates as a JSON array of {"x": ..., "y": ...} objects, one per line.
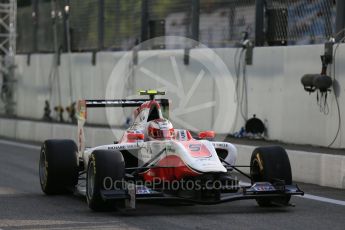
[
  {"x": 270, "y": 164},
  {"x": 58, "y": 166},
  {"x": 106, "y": 169}
]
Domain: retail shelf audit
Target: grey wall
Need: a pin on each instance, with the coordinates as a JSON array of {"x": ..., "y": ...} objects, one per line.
[{"x": 275, "y": 93}]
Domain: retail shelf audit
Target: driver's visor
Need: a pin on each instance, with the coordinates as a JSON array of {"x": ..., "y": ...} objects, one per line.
[{"x": 161, "y": 134}]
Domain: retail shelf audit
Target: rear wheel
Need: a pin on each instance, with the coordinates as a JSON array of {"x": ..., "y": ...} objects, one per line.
[
  {"x": 271, "y": 164},
  {"x": 58, "y": 166},
  {"x": 105, "y": 171}
]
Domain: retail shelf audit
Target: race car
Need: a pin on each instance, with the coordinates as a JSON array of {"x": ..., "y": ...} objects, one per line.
[{"x": 155, "y": 161}]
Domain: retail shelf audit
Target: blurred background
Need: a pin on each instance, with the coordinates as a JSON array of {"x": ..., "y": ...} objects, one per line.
[{"x": 121, "y": 24}]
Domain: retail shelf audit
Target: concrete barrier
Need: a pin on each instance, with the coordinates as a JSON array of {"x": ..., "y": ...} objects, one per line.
[
  {"x": 308, "y": 167},
  {"x": 275, "y": 92}
]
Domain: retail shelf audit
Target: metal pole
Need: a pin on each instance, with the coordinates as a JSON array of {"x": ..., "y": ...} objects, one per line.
[
  {"x": 195, "y": 19},
  {"x": 68, "y": 43},
  {"x": 259, "y": 23},
  {"x": 56, "y": 50},
  {"x": 327, "y": 17},
  {"x": 101, "y": 24},
  {"x": 117, "y": 23},
  {"x": 144, "y": 20},
  {"x": 231, "y": 21},
  {"x": 35, "y": 18},
  {"x": 340, "y": 19}
]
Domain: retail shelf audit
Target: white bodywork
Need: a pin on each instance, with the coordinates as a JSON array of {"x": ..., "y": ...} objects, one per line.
[
  {"x": 198, "y": 155},
  {"x": 148, "y": 150}
]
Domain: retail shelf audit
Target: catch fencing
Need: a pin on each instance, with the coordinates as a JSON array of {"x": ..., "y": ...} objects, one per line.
[{"x": 93, "y": 25}]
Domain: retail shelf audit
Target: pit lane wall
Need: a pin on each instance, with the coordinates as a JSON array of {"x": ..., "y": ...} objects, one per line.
[
  {"x": 308, "y": 167},
  {"x": 275, "y": 93}
]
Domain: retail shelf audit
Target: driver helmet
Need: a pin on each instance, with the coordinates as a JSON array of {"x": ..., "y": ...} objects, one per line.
[{"x": 160, "y": 129}]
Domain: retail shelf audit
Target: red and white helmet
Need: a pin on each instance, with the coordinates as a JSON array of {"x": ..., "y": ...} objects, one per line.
[{"x": 160, "y": 129}]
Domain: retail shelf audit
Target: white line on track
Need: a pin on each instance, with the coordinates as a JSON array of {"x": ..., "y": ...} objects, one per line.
[
  {"x": 306, "y": 196},
  {"x": 324, "y": 199}
]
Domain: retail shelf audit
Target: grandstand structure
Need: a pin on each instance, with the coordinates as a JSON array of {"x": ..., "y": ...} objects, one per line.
[{"x": 8, "y": 17}]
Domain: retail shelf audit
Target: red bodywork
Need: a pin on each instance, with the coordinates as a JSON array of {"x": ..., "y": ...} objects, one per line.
[{"x": 176, "y": 171}]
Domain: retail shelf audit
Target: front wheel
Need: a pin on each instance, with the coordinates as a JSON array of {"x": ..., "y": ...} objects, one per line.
[
  {"x": 105, "y": 171},
  {"x": 58, "y": 166},
  {"x": 271, "y": 164}
]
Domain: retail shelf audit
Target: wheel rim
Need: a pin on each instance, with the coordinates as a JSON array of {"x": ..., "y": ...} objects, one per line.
[
  {"x": 43, "y": 168},
  {"x": 90, "y": 180},
  {"x": 256, "y": 170}
]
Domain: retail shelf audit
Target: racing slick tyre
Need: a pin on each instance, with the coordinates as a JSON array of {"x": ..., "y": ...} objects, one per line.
[
  {"x": 271, "y": 164},
  {"x": 58, "y": 166},
  {"x": 105, "y": 172}
]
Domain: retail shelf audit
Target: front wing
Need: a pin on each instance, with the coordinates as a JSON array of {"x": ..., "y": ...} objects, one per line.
[{"x": 258, "y": 190}]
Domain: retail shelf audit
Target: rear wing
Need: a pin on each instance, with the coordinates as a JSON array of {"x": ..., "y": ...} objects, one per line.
[{"x": 84, "y": 104}]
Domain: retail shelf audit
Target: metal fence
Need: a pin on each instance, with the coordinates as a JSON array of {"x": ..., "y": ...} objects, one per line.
[
  {"x": 222, "y": 23},
  {"x": 300, "y": 22},
  {"x": 121, "y": 24}
]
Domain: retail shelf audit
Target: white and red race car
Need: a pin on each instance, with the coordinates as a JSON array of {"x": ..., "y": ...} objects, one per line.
[{"x": 155, "y": 161}]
